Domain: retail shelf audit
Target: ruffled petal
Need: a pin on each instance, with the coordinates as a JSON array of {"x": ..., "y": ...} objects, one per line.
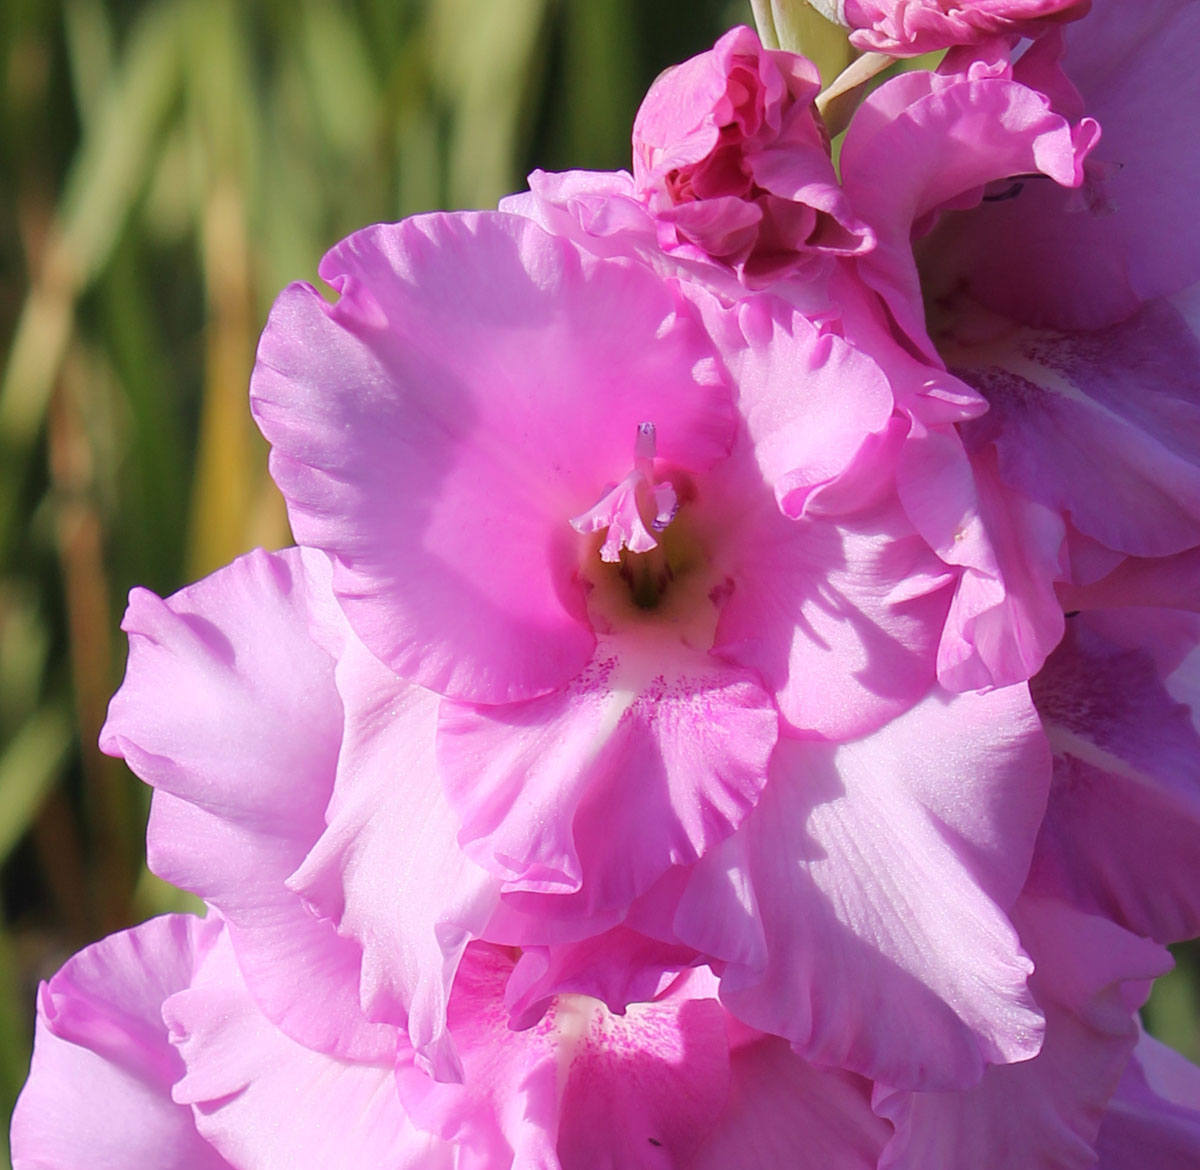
[
  {"x": 1086, "y": 260},
  {"x": 645, "y": 761},
  {"x": 388, "y": 869},
  {"x": 810, "y": 401},
  {"x": 267, "y": 1102},
  {"x": 99, "y": 1090},
  {"x": 923, "y": 141},
  {"x": 1006, "y": 616},
  {"x": 229, "y": 709},
  {"x": 1090, "y": 977},
  {"x": 220, "y": 680},
  {"x": 876, "y": 938}
]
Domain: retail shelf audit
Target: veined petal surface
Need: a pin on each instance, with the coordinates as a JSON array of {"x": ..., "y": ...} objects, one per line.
[{"x": 861, "y": 910}]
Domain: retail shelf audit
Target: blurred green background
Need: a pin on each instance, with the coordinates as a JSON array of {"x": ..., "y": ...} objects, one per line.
[{"x": 168, "y": 167}]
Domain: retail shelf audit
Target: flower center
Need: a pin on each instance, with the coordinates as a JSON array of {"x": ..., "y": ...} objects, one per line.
[{"x": 650, "y": 560}]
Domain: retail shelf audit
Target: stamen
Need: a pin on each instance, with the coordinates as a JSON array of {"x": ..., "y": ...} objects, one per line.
[{"x": 620, "y": 507}]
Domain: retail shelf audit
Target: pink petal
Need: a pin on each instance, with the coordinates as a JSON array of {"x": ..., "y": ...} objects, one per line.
[
  {"x": 547, "y": 1096},
  {"x": 840, "y": 617},
  {"x": 220, "y": 679},
  {"x": 784, "y": 1114},
  {"x": 243, "y": 870},
  {"x": 810, "y": 401},
  {"x": 1154, "y": 1118},
  {"x": 267, "y": 1102},
  {"x": 1103, "y": 426},
  {"x": 1050, "y": 259},
  {"x": 99, "y": 1090},
  {"x": 388, "y": 869},
  {"x": 922, "y": 141},
  {"x": 1005, "y": 617},
  {"x": 1090, "y": 976},
  {"x": 646, "y": 760},
  {"x": 440, "y": 425},
  {"x": 1121, "y": 828},
  {"x": 229, "y": 709},
  {"x": 925, "y": 394},
  {"x": 880, "y": 871}
]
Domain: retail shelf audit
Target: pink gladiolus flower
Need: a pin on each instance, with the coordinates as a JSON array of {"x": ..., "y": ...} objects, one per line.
[
  {"x": 595, "y": 545},
  {"x": 667, "y": 745},
  {"x": 907, "y": 28},
  {"x": 554, "y": 510},
  {"x": 269, "y": 649}
]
